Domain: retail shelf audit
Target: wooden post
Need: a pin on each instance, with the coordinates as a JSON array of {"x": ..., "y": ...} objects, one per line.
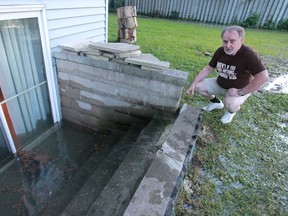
[{"x": 127, "y": 24}]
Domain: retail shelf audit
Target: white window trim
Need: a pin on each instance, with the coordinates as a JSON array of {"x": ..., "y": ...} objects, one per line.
[{"x": 20, "y": 8}]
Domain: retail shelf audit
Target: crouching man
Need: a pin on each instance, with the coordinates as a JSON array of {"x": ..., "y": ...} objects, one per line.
[{"x": 240, "y": 72}]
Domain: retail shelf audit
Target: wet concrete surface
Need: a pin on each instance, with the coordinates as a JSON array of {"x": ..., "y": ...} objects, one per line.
[
  {"x": 76, "y": 171},
  {"x": 49, "y": 173}
]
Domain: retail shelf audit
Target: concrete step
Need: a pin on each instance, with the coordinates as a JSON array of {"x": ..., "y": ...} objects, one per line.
[
  {"x": 158, "y": 191},
  {"x": 148, "y": 177},
  {"x": 87, "y": 169},
  {"x": 116, "y": 195},
  {"x": 85, "y": 197}
]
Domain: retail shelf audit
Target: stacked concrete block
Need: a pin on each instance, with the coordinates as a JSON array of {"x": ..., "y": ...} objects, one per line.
[
  {"x": 127, "y": 24},
  {"x": 95, "y": 91}
]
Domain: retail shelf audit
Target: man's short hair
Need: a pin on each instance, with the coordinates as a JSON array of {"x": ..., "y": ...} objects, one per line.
[{"x": 239, "y": 29}]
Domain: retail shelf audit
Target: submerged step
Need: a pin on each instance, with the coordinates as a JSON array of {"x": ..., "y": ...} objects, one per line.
[
  {"x": 83, "y": 173},
  {"x": 115, "y": 197},
  {"x": 98, "y": 179}
]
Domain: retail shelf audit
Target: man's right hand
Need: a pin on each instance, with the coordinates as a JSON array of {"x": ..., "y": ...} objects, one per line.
[{"x": 191, "y": 89}]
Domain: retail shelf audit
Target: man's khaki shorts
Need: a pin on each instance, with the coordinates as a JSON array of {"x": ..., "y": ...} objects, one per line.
[{"x": 214, "y": 89}]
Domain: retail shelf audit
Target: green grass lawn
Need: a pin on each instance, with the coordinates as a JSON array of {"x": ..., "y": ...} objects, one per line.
[{"x": 239, "y": 168}]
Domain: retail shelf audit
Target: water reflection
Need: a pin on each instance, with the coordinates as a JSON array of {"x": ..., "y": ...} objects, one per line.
[{"x": 34, "y": 181}]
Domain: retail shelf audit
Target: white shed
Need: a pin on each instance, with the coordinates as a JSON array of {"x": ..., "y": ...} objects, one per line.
[{"x": 30, "y": 30}]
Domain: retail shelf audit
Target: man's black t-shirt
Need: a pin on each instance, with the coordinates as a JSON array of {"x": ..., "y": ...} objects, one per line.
[{"x": 235, "y": 71}]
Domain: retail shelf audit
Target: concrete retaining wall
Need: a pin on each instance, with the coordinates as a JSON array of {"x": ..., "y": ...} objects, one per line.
[{"x": 95, "y": 93}]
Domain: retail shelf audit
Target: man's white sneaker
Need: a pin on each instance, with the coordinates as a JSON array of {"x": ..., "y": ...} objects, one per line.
[
  {"x": 227, "y": 117},
  {"x": 213, "y": 106}
]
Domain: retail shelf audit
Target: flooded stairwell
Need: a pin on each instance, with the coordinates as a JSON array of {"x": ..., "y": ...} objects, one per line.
[{"x": 124, "y": 144}]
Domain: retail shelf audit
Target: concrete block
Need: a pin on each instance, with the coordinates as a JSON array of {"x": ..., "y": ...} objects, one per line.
[
  {"x": 96, "y": 123},
  {"x": 103, "y": 100},
  {"x": 156, "y": 87},
  {"x": 71, "y": 52},
  {"x": 161, "y": 102},
  {"x": 171, "y": 91},
  {"x": 68, "y": 91},
  {"x": 79, "y": 82},
  {"x": 130, "y": 55},
  {"x": 86, "y": 69},
  {"x": 100, "y": 75},
  {"x": 79, "y": 59},
  {"x": 140, "y": 83},
  {"x": 103, "y": 88},
  {"x": 134, "y": 71},
  {"x": 119, "y": 61},
  {"x": 66, "y": 66},
  {"x": 84, "y": 106},
  {"x": 60, "y": 55},
  {"x": 176, "y": 77},
  {"x": 71, "y": 114},
  {"x": 143, "y": 67},
  {"x": 66, "y": 101},
  {"x": 149, "y": 61},
  {"x": 63, "y": 77},
  {"x": 116, "y": 48},
  {"x": 75, "y": 45},
  {"x": 124, "y": 78},
  {"x": 90, "y": 51},
  {"x": 99, "y": 58},
  {"x": 112, "y": 66},
  {"x": 108, "y": 55},
  {"x": 138, "y": 97}
]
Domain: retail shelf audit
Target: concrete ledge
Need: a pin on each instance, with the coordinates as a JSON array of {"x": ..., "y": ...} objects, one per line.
[{"x": 158, "y": 191}]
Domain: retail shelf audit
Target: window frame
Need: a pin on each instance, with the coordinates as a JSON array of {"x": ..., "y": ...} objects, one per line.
[{"x": 39, "y": 12}]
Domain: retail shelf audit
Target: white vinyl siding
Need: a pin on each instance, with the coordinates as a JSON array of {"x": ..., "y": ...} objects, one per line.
[
  {"x": 75, "y": 20},
  {"x": 66, "y": 20},
  {"x": 69, "y": 20}
]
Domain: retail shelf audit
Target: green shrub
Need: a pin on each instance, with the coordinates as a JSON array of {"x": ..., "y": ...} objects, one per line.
[
  {"x": 174, "y": 15},
  {"x": 251, "y": 21},
  {"x": 114, "y": 4},
  {"x": 156, "y": 14},
  {"x": 283, "y": 25},
  {"x": 269, "y": 25}
]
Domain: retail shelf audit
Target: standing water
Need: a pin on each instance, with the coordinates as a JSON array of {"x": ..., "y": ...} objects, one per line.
[{"x": 44, "y": 179}]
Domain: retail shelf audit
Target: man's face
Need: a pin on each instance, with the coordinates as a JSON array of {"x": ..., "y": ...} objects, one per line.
[{"x": 232, "y": 42}]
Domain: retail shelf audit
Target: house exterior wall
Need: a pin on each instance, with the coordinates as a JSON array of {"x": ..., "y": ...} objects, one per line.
[
  {"x": 72, "y": 19},
  {"x": 69, "y": 20}
]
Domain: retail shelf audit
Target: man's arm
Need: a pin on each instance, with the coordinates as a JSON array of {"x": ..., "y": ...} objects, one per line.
[
  {"x": 202, "y": 74},
  {"x": 255, "y": 84}
]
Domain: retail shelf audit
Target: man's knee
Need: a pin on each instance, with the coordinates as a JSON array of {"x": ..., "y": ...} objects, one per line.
[
  {"x": 232, "y": 104},
  {"x": 200, "y": 87}
]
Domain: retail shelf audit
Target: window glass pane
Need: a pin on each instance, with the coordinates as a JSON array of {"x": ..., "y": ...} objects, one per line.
[
  {"x": 30, "y": 114},
  {"x": 21, "y": 64}
]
